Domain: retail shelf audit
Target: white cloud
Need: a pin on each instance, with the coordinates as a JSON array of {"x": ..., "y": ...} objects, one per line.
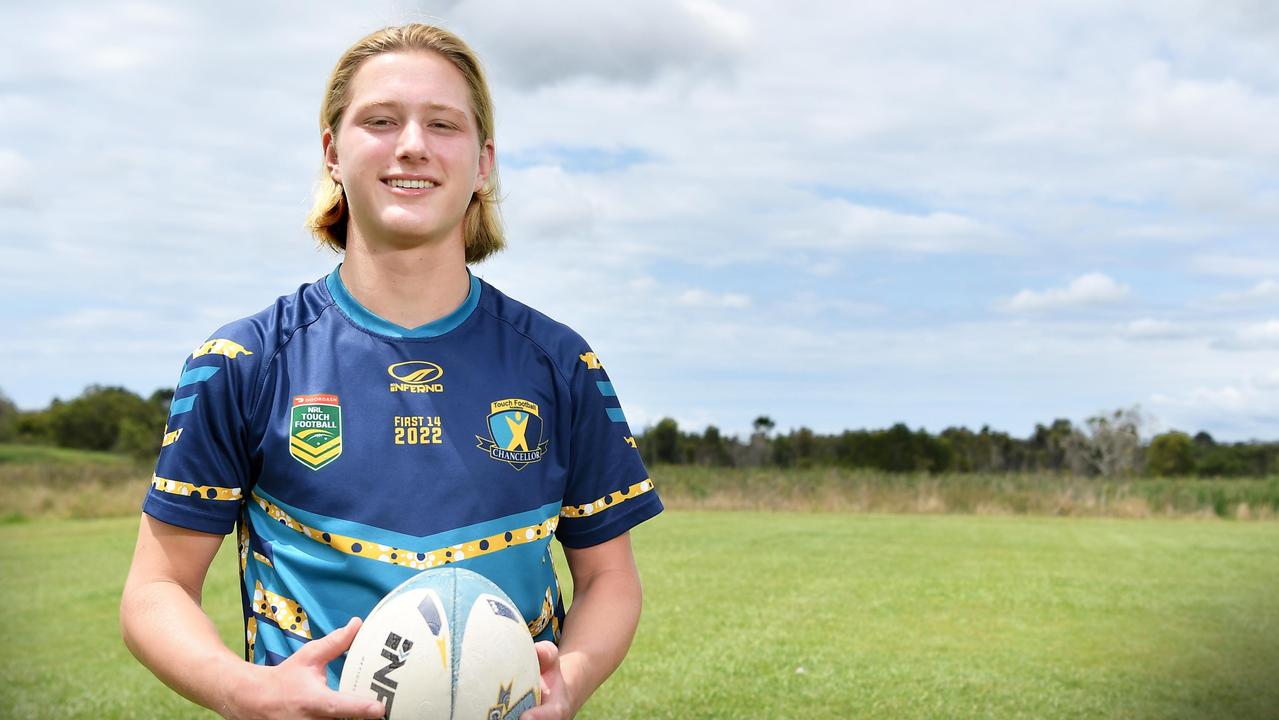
[
  {"x": 842, "y": 225},
  {"x": 1153, "y": 329},
  {"x": 610, "y": 42},
  {"x": 1259, "y": 334},
  {"x": 15, "y": 179},
  {"x": 698, "y": 297},
  {"x": 1091, "y": 289},
  {"x": 1265, "y": 291},
  {"x": 1236, "y": 265}
]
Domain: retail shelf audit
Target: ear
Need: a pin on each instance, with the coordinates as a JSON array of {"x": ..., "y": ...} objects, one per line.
[
  {"x": 329, "y": 142},
  {"x": 488, "y": 157}
]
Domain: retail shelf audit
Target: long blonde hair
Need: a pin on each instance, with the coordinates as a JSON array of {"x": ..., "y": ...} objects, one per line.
[{"x": 482, "y": 225}]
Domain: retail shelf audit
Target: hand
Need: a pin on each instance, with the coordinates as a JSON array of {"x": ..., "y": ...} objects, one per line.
[
  {"x": 297, "y": 687},
  {"x": 556, "y": 703}
]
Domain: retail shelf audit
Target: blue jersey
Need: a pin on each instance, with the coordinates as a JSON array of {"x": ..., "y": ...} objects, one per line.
[{"x": 353, "y": 453}]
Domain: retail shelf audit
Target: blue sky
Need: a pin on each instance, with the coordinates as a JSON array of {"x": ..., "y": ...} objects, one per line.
[{"x": 841, "y": 215}]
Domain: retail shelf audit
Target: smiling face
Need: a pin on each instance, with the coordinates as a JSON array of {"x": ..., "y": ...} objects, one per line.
[{"x": 407, "y": 151}]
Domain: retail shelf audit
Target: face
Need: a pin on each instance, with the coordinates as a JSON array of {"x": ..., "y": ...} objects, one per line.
[{"x": 407, "y": 150}]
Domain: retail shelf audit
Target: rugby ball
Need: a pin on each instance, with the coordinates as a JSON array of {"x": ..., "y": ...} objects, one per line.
[{"x": 447, "y": 643}]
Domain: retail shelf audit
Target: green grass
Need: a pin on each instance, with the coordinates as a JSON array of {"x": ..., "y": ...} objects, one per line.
[
  {"x": 33, "y": 454},
  {"x": 862, "y": 490},
  {"x": 888, "y": 616}
]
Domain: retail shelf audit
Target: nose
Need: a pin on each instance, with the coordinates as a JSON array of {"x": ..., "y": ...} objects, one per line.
[{"x": 412, "y": 144}]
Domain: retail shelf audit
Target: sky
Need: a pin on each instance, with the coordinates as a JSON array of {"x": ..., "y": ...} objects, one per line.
[{"x": 838, "y": 214}]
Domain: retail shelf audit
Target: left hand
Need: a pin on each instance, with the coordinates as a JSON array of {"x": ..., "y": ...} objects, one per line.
[{"x": 556, "y": 704}]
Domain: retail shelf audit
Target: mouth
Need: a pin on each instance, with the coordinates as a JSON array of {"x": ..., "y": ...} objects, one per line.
[{"x": 406, "y": 184}]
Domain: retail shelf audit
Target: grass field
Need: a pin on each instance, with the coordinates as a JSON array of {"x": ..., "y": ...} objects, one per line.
[{"x": 793, "y": 615}]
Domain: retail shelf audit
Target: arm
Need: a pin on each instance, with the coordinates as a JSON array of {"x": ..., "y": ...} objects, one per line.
[
  {"x": 598, "y": 628},
  {"x": 167, "y": 630}
]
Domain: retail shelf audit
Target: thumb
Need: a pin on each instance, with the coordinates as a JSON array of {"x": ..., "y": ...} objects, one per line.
[{"x": 330, "y": 646}]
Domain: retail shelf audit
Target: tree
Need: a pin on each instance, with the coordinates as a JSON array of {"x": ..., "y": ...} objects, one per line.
[
  {"x": 1171, "y": 454},
  {"x": 712, "y": 448},
  {"x": 95, "y": 420},
  {"x": 665, "y": 441},
  {"x": 1112, "y": 447},
  {"x": 8, "y": 418}
]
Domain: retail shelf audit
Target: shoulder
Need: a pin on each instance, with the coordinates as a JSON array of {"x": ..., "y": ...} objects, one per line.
[
  {"x": 246, "y": 347},
  {"x": 563, "y": 345},
  {"x": 263, "y": 333}
]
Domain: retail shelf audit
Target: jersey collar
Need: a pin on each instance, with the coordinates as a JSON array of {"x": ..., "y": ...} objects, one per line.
[{"x": 366, "y": 319}]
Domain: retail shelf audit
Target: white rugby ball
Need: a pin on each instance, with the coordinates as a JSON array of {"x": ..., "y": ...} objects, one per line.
[{"x": 447, "y": 643}]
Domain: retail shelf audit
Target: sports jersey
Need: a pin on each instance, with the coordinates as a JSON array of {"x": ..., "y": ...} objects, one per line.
[{"x": 352, "y": 453}]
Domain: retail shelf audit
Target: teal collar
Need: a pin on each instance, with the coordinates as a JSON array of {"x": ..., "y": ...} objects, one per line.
[{"x": 365, "y": 318}]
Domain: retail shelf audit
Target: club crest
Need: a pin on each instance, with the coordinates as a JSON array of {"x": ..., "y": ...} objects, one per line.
[
  {"x": 515, "y": 433},
  {"x": 315, "y": 430}
]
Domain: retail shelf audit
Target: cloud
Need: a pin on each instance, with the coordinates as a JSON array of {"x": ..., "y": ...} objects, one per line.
[
  {"x": 631, "y": 43},
  {"x": 1235, "y": 265},
  {"x": 1243, "y": 408},
  {"x": 1265, "y": 291},
  {"x": 698, "y": 297},
  {"x": 838, "y": 224},
  {"x": 1086, "y": 290},
  {"x": 1153, "y": 329},
  {"x": 15, "y": 179},
  {"x": 1262, "y": 334}
]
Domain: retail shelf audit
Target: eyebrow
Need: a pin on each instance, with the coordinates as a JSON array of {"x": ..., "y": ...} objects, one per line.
[{"x": 363, "y": 107}]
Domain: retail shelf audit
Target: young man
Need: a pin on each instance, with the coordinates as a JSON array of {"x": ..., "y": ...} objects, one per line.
[{"x": 397, "y": 415}]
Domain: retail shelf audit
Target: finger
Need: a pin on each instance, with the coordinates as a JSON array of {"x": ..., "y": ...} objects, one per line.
[
  {"x": 330, "y": 704},
  {"x": 330, "y": 646},
  {"x": 548, "y": 653}
]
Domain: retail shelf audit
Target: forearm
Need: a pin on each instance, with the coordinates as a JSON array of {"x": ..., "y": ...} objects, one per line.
[
  {"x": 166, "y": 629},
  {"x": 598, "y": 630}
]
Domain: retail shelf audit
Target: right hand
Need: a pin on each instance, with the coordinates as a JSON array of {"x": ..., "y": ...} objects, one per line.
[{"x": 298, "y": 687}]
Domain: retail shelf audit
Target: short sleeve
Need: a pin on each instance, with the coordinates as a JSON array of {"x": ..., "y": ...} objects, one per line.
[
  {"x": 202, "y": 475},
  {"x": 609, "y": 490}
]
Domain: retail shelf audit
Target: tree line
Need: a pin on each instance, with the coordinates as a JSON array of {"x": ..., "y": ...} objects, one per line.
[
  {"x": 115, "y": 419},
  {"x": 1108, "y": 445}
]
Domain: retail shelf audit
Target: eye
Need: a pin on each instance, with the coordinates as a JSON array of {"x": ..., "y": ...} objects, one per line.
[{"x": 379, "y": 122}]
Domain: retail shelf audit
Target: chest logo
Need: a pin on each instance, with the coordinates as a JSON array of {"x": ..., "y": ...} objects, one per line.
[
  {"x": 515, "y": 433},
  {"x": 416, "y": 376},
  {"x": 315, "y": 430}
]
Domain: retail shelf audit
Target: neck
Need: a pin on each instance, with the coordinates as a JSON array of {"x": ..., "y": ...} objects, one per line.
[{"x": 409, "y": 286}]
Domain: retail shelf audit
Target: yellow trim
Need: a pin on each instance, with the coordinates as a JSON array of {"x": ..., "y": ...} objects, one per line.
[
  {"x": 539, "y": 623},
  {"x": 411, "y": 558},
  {"x": 251, "y": 635},
  {"x": 284, "y": 612},
  {"x": 608, "y": 501},
  {"x": 177, "y": 487}
]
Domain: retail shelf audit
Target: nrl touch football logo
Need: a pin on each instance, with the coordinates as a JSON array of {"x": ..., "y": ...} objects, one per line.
[{"x": 416, "y": 376}]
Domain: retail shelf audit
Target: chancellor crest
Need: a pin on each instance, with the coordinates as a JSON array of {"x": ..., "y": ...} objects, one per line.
[
  {"x": 315, "y": 430},
  {"x": 515, "y": 433}
]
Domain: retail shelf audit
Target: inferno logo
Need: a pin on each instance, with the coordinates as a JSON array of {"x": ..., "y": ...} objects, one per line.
[{"x": 416, "y": 376}]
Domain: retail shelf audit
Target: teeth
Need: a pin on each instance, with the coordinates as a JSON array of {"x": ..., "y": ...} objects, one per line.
[{"x": 411, "y": 183}]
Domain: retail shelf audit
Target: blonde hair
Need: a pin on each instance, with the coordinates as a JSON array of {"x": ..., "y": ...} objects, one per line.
[{"x": 482, "y": 225}]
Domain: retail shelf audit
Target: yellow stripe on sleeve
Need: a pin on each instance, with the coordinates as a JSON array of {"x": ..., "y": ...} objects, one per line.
[
  {"x": 608, "y": 501},
  {"x": 207, "y": 492}
]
